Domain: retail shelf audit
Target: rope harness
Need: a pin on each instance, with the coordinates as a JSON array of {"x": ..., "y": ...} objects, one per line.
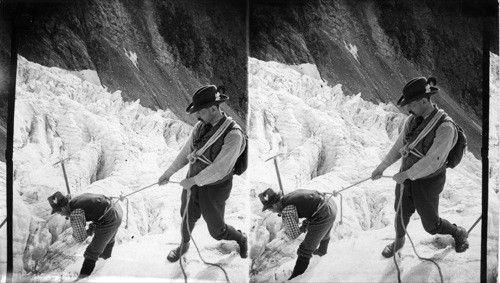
[
  {"x": 410, "y": 148},
  {"x": 198, "y": 154}
]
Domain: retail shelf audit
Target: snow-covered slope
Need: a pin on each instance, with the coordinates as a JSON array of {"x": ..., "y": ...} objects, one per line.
[
  {"x": 115, "y": 148},
  {"x": 328, "y": 141}
]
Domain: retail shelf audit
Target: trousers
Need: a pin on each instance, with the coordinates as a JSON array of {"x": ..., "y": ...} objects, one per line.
[
  {"x": 210, "y": 202},
  {"x": 319, "y": 229},
  {"x": 422, "y": 195},
  {"x": 104, "y": 233}
]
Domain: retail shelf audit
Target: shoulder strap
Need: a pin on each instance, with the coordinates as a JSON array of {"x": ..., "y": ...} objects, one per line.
[
  {"x": 431, "y": 126},
  {"x": 221, "y": 131}
]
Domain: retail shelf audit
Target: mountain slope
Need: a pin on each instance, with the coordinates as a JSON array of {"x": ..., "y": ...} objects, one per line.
[
  {"x": 328, "y": 141},
  {"x": 157, "y": 51},
  {"x": 375, "y": 47},
  {"x": 114, "y": 148}
]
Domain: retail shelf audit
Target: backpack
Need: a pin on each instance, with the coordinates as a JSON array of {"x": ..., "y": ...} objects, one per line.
[
  {"x": 457, "y": 152},
  {"x": 241, "y": 164}
]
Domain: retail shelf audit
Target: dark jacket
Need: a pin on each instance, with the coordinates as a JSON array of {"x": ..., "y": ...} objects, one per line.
[
  {"x": 94, "y": 205},
  {"x": 306, "y": 201}
]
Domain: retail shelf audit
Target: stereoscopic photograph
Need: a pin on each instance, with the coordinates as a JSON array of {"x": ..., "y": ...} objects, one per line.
[{"x": 249, "y": 141}]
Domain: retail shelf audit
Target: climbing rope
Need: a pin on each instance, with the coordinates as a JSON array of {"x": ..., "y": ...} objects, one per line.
[
  {"x": 185, "y": 219},
  {"x": 123, "y": 197},
  {"x": 335, "y": 193},
  {"x": 399, "y": 208},
  {"x": 474, "y": 225}
]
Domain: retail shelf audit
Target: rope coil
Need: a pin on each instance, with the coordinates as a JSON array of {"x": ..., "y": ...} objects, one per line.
[
  {"x": 198, "y": 154},
  {"x": 407, "y": 149}
]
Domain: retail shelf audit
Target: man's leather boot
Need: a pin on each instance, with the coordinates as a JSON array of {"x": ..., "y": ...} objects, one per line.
[
  {"x": 395, "y": 246},
  {"x": 243, "y": 243},
  {"x": 87, "y": 268},
  {"x": 461, "y": 243},
  {"x": 176, "y": 253},
  {"x": 300, "y": 266}
]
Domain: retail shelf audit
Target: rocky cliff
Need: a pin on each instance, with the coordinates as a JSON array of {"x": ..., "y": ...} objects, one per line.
[
  {"x": 375, "y": 47},
  {"x": 157, "y": 51},
  {"x": 5, "y": 74}
]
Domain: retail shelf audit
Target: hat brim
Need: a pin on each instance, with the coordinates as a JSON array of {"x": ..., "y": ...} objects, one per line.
[
  {"x": 192, "y": 109},
  {"x": 275, "y": 200},
  {"x": 402, "y": 101},
  {"x": 267, "y": 206}
]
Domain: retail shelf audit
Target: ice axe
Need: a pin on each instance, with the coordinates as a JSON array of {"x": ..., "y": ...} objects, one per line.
[
  {"x": 64, "y": 172},
  {"x": 277, "y": 170}
]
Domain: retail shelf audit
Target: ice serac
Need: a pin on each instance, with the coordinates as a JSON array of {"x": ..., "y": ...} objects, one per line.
[
  {"x": 374, "y": 47},
  {"x": 59, "y": 116},
  {"x": 328, "y": 141},
  {"x": 111, "y": 147},
  {"x": 159, "y": 53}
]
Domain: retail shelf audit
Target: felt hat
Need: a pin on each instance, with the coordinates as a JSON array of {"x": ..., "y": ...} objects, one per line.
[
  {"x": 57, "y": 201},
  {"x": 268, "y": 198},
  {"x": 417, "y": 89},
  {"x": 207, "y": 96}
]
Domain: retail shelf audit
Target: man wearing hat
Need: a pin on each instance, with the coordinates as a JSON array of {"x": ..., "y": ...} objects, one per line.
[
  {"x": 320, "y": 212},
  {"x": 427, "y": 137},
  {"x": 211, "y": 151},
  {"x": 106, "y": 220}
]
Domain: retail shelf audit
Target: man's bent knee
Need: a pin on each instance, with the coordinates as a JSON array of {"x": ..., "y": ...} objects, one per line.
[
  {"x": 218, "y": 234},
  {"x": 433, "y": 228}
]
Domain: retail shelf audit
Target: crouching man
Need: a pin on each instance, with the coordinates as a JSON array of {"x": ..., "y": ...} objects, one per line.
[
  {"x": 320, "y": 215},
  {"x": 106, "y": 220}
]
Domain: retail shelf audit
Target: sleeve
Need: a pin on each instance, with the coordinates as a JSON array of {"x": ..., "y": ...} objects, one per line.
[
  {"x": 181, "y": 159},
  {"x": 291, "y": 221},
  {"x": 234, "y": 144},
  {"x": 446, "y": 137},
  {"x": 394, "y": 154},
  {"x": 77, "y": 220}
]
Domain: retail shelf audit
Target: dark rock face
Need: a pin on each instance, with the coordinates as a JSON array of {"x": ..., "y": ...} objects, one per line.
[
  {"x": 178, "y": 45},
  {"x": 372, "y": 47},
  {"x": 375, "y": 47},
  {"x": 6, "y": 71}
]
